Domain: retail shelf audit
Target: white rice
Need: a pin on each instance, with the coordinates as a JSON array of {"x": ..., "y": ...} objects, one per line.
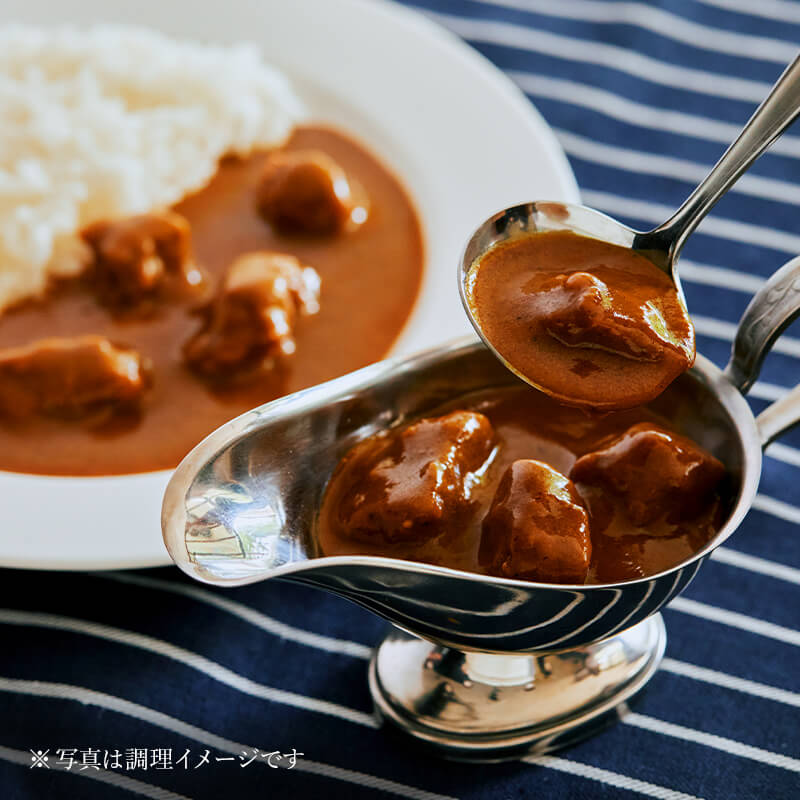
[{"x": 114, "y": 120}]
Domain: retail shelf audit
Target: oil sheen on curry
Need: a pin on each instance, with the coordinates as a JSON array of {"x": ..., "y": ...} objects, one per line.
[
  {"x": 510, "y": 483},
  {"x": 590, "y": 323},
  {"x": 252, "y": 288}
]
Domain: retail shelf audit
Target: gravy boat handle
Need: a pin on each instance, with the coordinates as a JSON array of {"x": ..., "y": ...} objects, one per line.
[{"x": 773, "y": 308}]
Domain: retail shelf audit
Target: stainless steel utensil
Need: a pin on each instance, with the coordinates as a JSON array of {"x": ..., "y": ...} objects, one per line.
[
  {"x": 481, "y": 667},
  {"x": 663, "y": 244}
]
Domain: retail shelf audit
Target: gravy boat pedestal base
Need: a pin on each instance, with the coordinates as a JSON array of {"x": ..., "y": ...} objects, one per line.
[
  {"x": 473, "y": 706},
  {"x": 502, "y": 667}
]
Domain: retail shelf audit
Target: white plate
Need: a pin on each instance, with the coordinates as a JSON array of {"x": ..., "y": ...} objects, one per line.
[{"x": 462, "y": 136}]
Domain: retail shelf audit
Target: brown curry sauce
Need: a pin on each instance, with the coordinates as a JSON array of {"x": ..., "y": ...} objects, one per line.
[
  {"x": 382, "y": 260},
  {"x": 526, "y": 424},
  {"x": 585, "y": 484},
  {"x": 590, "y": 323},
  {"x": 485, "y": 488}
]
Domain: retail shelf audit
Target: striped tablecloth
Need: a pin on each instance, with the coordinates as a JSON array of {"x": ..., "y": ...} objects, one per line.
[{"x": 144, "y": 683}]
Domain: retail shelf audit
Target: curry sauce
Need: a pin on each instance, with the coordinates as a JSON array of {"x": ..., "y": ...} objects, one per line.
[
  {"x": 589, "y": 322},
  {"x": 631, "y": 497},
  {"x": 370, "y": 278}
]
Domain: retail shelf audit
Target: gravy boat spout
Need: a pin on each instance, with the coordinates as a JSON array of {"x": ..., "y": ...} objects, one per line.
[{"x": 243, "y": 506}]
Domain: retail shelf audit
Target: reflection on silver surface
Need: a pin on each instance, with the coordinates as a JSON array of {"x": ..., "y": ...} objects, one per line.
[
  {"x": 243, "y": 506},
  {"x": 487, "y": 707}
]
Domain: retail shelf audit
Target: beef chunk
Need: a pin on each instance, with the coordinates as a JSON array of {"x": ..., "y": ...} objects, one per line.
[
  {"x": 412, "y": 484},
  {"x": 138, "y": 258},
  {"x": 306, "y": 191},
  {"x": 536, "y": 528},
  {"x": 654, "y": 472},
  {"x": 70, "y": 377},
  {"x": 251, "y": 321},
  {"x": 579, "y": 311}
]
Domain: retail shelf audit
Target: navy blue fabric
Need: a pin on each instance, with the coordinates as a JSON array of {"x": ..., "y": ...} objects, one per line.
[{"x": 104, "y": 662}]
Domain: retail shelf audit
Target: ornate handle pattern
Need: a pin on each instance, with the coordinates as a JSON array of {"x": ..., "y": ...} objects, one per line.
[{"x": 771, "y": 310}]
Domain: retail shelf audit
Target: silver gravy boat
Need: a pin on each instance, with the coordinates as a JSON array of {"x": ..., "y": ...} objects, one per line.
[{"x": 477, "y": 667}]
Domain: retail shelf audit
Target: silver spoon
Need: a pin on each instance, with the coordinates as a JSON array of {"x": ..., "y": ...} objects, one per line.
[
  {"x": 243, "y": 506},
  {"x": 663, "y": 244}
]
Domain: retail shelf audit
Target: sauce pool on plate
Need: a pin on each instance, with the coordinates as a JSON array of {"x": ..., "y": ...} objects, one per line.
[{"x": 370, "y": 278}]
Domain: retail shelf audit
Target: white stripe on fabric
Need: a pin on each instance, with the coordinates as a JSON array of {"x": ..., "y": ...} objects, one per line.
[
  {"x": 729, "y": 229},
  {"x": 631, "y": 112},
  {"x": 735, "y": 558},
  {"x": 720, "y": 276},
  {"x": 769, "y": 391},
  {"x": 380, "y": 784},
  {"x": 607, "y": 777},
  {"x": 730, "y": 746},
  {"x": 777, "y": 508},
  {"x": 226, "y": 676},
  {"x": 104, "y": 776},
  {"x": 91, "y": 697},
  {"x": 720, "y": 329},
  {"x": 661, "y": 22},
  {"x": 587, "y": 51},
  {"x": 295, "y": 634},
  {"x": 780, "y": 10},
  {"x": 245, "y": 613},
  {"x": 735, "y": 620},
  {"x": 726, "y": 681},
  {"x": 782, "y": 452},
  {"x": 715, "y": 328},
  {"x": 692, "y": 172},
  {"x": 65, "y": 691},
  {"x": 194, "y": 660}
]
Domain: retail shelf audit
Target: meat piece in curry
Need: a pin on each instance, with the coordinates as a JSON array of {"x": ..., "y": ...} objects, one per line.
[
  {"x": 591, "y": 323},
  {"x": 412, "y": 484},
  {"x": 656, "y": 474},
  {"x": 580, "y": 311},
  {"x": 306, "y": 191},
  {"x": 251, "y": 321},
  {"x": 537, "y": 527},
  {"x": 528, "y": 515},
  {"x": 139, "y": 258},
  {"x": 123, "y": 299},
  {"x": 70, "y": 377}
]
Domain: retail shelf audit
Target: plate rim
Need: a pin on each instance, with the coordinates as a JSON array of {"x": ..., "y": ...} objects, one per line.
[{"x": 452, "y": 47}]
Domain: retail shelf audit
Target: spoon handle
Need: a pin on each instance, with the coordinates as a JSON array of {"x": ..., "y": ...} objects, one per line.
[{"x": 770, "y": 119}]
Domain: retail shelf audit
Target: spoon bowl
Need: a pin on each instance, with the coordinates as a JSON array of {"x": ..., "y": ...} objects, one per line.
[
  {"x": 597, "y": 389},
  {"x": 660, "y": 246}
]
